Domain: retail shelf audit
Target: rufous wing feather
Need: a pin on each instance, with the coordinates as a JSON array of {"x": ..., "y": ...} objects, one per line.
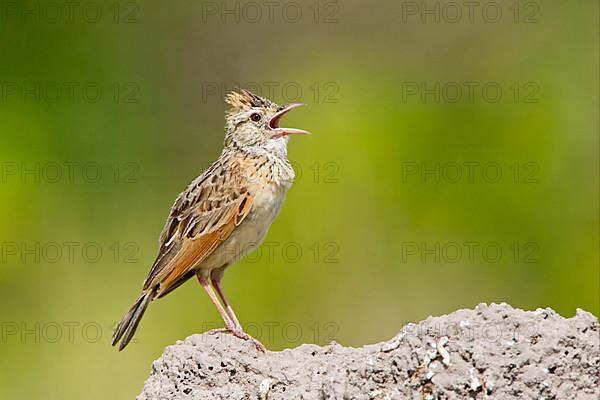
[{"x": 194, "y": 250}]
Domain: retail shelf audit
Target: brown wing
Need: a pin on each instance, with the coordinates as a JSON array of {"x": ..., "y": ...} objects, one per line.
[{"x": 203, "y": 216}]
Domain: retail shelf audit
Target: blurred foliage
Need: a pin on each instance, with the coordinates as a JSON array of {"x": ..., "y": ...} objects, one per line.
[{"x": 356, "y": 211}]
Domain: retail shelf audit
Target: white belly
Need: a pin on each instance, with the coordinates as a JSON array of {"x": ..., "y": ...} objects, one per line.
[{"x": 252, "y": 231}]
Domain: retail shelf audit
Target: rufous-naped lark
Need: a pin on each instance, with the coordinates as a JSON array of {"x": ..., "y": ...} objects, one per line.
[{"x": 224, "y": 213}]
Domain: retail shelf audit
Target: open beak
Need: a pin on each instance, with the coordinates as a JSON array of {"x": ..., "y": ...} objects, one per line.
[{"x": 280, "y": 132}]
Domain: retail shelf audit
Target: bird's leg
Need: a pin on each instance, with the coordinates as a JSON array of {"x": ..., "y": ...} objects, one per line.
[
  {"x": 230, "y": 326},
  {"x": 217, "y": 285},
  {"x": 211, "y": 293},
  {"x": 238, "y": 331}
]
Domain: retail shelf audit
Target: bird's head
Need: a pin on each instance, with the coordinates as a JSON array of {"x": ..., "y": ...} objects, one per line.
[{"x": 253, "y": 121}]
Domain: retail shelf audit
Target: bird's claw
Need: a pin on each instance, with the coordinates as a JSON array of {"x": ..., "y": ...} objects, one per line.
[
  {"x": 243, "y": 335},
  {"x": 218, "y": 330},
  {"x": 239, "y": 333}
]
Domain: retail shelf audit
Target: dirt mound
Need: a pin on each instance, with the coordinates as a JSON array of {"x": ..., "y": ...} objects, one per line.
[{"x": 492, "y": 351}]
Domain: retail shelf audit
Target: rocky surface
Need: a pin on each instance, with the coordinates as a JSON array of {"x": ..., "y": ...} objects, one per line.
[{"x": 491, "y": 352}]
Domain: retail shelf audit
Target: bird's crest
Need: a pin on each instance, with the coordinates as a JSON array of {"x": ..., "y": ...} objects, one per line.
[{"x": 241, "y": 98}]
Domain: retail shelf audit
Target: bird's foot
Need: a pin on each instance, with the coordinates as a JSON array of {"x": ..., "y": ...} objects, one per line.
[
  {"x": 239, "y": 333},
  {"x": 218, "y": 330},
  {"x": 243, "y": 335}
]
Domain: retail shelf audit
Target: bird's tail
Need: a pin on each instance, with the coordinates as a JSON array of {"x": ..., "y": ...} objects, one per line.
[{"x": 127, "y": 326}]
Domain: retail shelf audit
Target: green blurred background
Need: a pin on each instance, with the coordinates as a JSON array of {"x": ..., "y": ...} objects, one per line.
[{"x": 359, "y": 212}]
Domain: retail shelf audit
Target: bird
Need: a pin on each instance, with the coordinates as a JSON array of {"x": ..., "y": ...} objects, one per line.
[{"x": 224, "y": 214}]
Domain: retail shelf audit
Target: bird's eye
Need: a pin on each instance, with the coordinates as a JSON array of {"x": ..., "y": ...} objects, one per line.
[{"x": 255, "y": 117}]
